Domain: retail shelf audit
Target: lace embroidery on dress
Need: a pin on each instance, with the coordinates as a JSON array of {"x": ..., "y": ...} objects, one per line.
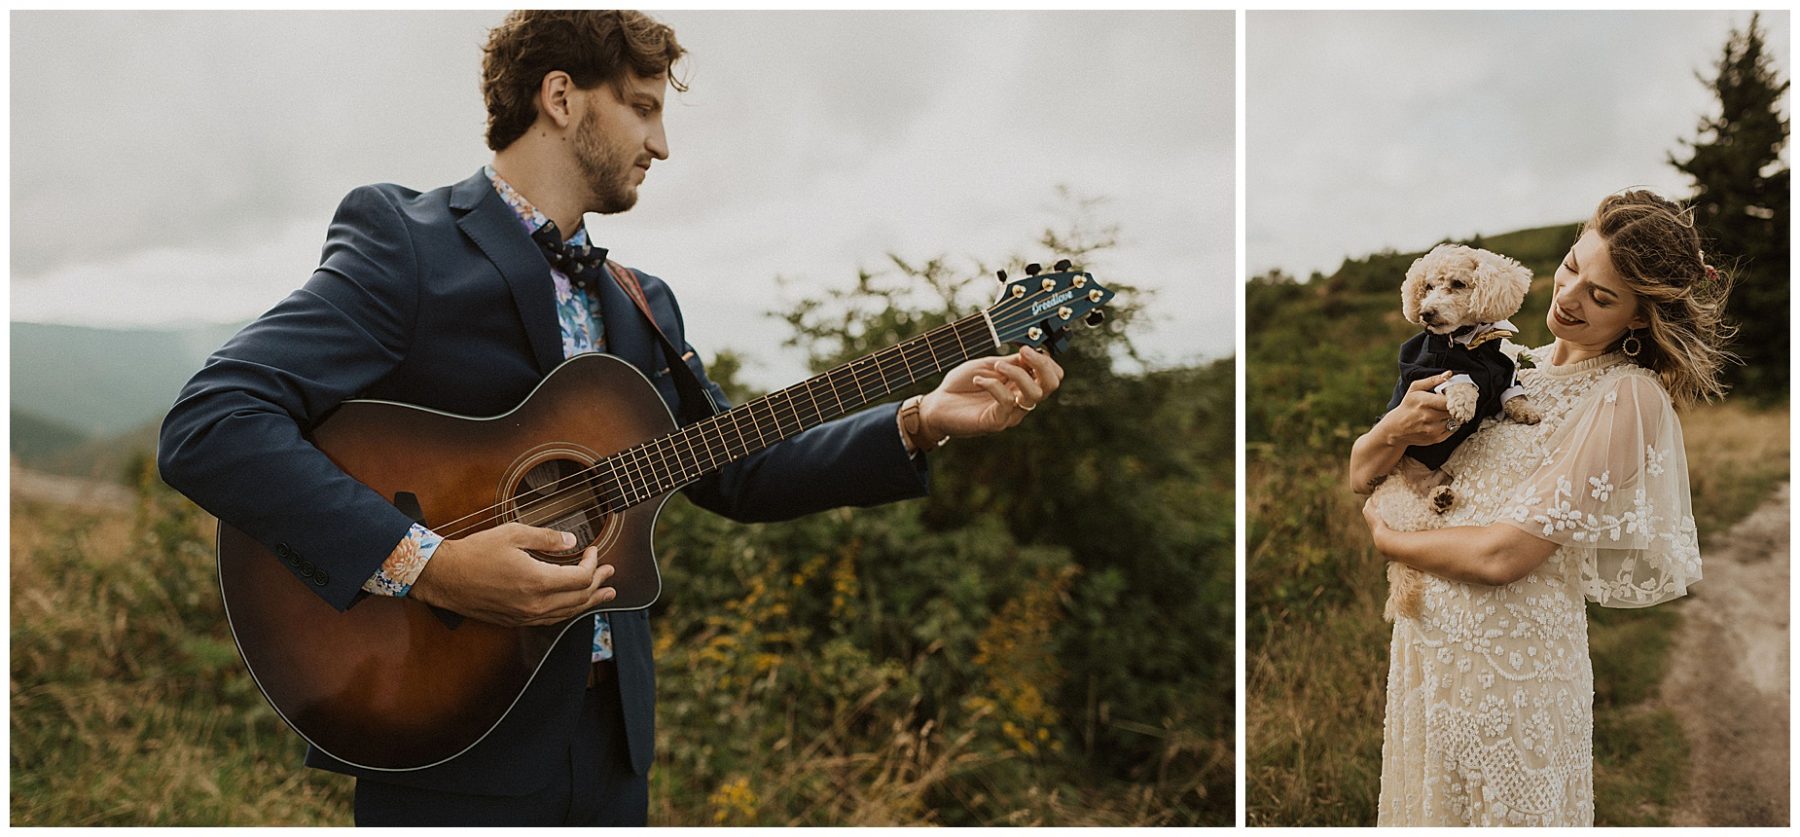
[
  {"x": 1490, "y": 691},
  {"x": 1615, "y": 482}
]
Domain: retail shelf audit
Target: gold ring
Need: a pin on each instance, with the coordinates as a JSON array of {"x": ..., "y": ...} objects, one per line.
[{"x": 1021, "y": 405}]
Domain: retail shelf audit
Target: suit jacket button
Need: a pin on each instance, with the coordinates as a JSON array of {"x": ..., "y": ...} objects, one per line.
[
  {"x": 282, "y": 550},
  {"x": 306, "y": 568},
  {"x": 321, "y": 577}
]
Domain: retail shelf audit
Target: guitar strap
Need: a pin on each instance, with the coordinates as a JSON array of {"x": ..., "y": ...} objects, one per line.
[{"x": 696, "y": 402}]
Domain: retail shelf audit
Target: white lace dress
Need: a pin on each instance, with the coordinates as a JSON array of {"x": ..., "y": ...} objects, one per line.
[{"x": 1490, "y": 691}]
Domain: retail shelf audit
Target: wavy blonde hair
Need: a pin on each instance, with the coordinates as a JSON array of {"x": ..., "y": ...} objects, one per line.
[{"x": 1657, "y": 252}]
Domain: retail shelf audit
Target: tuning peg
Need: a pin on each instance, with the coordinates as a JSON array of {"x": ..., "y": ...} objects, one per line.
[
  {"x": 1095, "y": 317},
  {"x": 1062, "y": 265},
  {"x": 1032, "y": 269},
  {"x": 1001, "y": 274}
]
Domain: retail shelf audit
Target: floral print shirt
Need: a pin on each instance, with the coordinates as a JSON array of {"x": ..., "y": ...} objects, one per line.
[{"x": 582, "y": 331}]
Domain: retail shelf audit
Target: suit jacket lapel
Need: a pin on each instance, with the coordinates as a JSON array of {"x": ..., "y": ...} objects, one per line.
[{"x": 495, "y": 228}]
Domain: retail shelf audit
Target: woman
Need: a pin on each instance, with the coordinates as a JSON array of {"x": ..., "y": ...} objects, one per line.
[{"x": 1490, "y": 690}]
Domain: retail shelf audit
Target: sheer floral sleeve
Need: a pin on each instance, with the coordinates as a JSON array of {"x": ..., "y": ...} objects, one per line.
[{"x": 1615, "y": 487}]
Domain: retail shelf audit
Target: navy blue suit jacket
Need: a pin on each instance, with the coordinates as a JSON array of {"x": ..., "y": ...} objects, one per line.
[{"x": 440, "y": 299}]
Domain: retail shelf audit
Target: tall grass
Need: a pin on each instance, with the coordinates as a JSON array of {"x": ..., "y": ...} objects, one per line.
[
  {"x": 128, "y": 705},
  {"x": 1317, "y": 656},
  {"x": 1736, "y": 455}
]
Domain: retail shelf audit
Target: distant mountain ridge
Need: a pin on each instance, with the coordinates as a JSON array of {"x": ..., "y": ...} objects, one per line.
[
  {"x": 102, "y": 382},
  {"x": 36, "y": 439}
]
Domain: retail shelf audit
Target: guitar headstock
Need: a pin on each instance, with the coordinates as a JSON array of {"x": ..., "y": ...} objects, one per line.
[{"x": 1038, "y": 309}]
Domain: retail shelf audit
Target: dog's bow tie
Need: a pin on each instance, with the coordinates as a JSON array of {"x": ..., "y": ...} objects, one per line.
[{"x": 1470, "y": 337}]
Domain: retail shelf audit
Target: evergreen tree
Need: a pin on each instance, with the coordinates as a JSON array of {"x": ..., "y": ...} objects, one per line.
[{"x": 1741, "y": 202}]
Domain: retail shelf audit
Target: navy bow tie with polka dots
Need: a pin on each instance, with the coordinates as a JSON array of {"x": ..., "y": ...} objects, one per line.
[{"x": 582, "y": 264}]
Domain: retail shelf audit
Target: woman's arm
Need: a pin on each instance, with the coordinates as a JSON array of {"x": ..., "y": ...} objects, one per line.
[
  {"x": 1421, "y": 419},
  {"x": 1494, "y": 554}
]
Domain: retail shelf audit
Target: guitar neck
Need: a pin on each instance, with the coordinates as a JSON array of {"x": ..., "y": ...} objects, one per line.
[{"x": 669, "y": 462}]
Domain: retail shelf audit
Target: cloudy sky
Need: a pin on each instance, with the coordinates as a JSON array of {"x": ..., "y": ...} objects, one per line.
[
  {"x": 1399, "y": 129},
  {"x": 181, "y": 167}
]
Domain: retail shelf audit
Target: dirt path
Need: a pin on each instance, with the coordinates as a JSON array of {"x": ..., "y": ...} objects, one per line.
[
  {"x": 70, "y": 491},
  {"x": 1728, "y": 677}
]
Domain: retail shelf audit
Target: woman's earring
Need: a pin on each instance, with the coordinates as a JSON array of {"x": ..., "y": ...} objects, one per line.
[{"x": 1631, "y": 346}]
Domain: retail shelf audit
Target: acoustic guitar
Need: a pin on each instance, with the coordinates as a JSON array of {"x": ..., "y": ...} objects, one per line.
[{"x": 395, "y": 684}]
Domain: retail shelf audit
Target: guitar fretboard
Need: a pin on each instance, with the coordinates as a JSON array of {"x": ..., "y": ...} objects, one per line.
[{"x": 669, "y": 462}]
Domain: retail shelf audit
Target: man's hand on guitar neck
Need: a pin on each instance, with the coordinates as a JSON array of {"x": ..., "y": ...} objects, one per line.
[
  {"x": 489, "y": 576},
  {"x": 990, "y": 394}
]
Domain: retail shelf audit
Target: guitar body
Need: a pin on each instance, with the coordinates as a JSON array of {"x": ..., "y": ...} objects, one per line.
[{"x": 395, "y": 684}]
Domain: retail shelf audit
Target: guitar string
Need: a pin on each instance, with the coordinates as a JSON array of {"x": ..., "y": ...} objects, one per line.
[
  {"x": 652, "y": 466},
  {"x": 639, "y": 461},
  {"x": 643, "y": 462},
  {"x": 662, "y": 459},
  {"x": 659, "y": 470},
  {"x": 652, "y": 470},
  {"x": 649, "y": 470},
  {"x": 647, "y": 467}
]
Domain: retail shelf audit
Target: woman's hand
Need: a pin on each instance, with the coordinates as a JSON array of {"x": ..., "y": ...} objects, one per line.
[
  {"x": 1378, "y": 528},
  {"x": 1422, "y": 417}
]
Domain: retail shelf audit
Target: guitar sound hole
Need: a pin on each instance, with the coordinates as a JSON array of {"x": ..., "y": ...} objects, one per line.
[{"x": 559, "y": 494}]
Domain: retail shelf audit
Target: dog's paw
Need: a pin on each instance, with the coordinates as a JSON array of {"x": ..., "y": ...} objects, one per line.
[
  {"x": 1459, "y": 401},
  {"x": 1441, "y": 499},
  {"x": 1520, "y": 409}
]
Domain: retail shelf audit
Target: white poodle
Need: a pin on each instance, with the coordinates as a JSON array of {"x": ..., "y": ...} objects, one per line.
[{"x": 1461, "y": 297}]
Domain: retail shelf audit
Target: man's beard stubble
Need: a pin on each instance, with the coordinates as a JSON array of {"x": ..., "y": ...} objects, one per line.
[{"x": 603, "y": 169}]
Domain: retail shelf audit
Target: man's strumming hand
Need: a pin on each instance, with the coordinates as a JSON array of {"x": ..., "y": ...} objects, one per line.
[{"x": 489, "y": 576}]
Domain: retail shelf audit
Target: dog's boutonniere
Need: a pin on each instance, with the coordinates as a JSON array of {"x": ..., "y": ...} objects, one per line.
[{"x": 1524, "y": 361}]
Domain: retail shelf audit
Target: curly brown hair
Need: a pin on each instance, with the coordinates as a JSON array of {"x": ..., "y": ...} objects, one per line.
[
  {"x": 1658, "y": 253},
  {"x": 592, "y": 46}
]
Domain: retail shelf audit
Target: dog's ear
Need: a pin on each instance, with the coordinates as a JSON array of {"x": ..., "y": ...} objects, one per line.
[
  {"x": 1500, "y": 285},
  {"x": 1412, "y": 291}
]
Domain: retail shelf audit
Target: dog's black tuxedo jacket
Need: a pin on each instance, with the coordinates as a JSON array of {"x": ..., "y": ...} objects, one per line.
[{"x": 1428, "y": 354}]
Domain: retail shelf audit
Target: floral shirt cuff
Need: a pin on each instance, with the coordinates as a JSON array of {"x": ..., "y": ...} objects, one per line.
[{"x": 404, "y": 564}]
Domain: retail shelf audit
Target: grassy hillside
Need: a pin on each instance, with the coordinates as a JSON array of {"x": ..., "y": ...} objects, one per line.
[
  {"x": 1321, "y": 368},
  {"x": 1321, "y": 353}
]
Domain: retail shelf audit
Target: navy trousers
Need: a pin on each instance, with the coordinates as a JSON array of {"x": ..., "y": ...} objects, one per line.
[{"x": 596, "y": 787}]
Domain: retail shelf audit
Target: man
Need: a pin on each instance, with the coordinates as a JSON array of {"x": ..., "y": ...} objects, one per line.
[{"x": 462, "y": 299}]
